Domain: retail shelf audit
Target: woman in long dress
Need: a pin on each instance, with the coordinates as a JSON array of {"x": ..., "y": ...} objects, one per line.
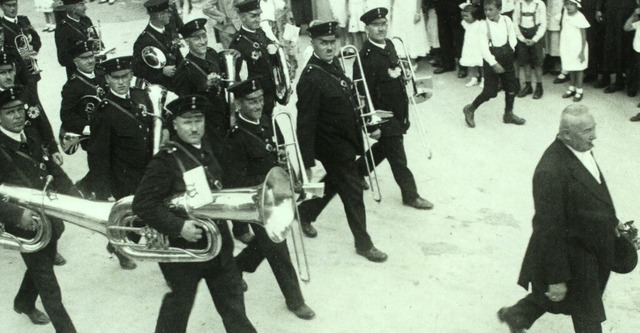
[{"x": 408, "y": 23}]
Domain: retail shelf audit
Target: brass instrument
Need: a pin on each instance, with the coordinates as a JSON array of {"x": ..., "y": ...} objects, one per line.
[
  {"x": 269, "y": 205},
  {"x": 232, "y": 75},
  {"x": 281, "y": 77},
  {"x": 369, "y": 115},
  {"x": 23, "y": 46},
  {"x": 160, "y": 97},
  {"x": 94, "y": 37},
  {"x": 154, "y": 57},
  {"x": 70, "y": 141},
  {"x": 419, "y": 95}
]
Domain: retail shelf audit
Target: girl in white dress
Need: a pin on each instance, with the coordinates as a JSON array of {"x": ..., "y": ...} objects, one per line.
[
  {"x": 574, "y": 51},
  {"x": 471, "y": 56},
  {"x": 339, "y": 14},
  {"x": 408, "y": 23},
  {"x": 355, "y": 9}
]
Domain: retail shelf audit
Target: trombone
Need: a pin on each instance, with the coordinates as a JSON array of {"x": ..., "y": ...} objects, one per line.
[
  {"x": 369, "y": 116},
  {"x": 419, "y": 95},
  {"x": 24, "y": 48}
]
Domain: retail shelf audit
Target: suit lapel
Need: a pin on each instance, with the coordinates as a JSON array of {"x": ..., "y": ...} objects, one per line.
[{"x": 582, "y": 175}]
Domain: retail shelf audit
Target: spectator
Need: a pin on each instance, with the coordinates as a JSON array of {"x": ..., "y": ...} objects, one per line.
[
  {"x": 574, "y": 52},
  {"x": 471, "y": 56},
  {"x": 450, "y": 34},
  {"x": 302, "y": 12},
  {"x": 530, "y": 23},
  {"x": 617, "y": 43},
  {"x": 552, "y": 61},
  {"x": 408, "y": 23},
  {"x": 225, "y": 19},
  {"x": 633, "y": 23},
  {"x": 46, "y": 7},
  {"x": 355, "y": 27}
]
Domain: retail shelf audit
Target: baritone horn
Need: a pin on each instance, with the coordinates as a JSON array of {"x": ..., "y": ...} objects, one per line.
[
  {"x": 154, "y": 57},
  {"x": 281, "y": 77},
  {"x": 269, "y": 205},
  {"x": 24, "y": 48}
]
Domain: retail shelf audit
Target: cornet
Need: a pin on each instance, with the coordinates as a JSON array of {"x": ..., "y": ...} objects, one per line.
[{"x": 25, "y": 49}]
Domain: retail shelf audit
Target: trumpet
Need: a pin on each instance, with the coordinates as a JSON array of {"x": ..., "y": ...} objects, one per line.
[
  {"x": 25, "y": 49},
  {"x": 269, "y": 205},
  {"x": 369, "y": 116},
  {"x": 281, "y": 77}
]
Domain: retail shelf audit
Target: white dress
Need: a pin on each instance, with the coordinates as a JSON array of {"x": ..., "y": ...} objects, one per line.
[
  {"x": 471, "y": 56},
  {"x": 372, "y": 4},
  {"x": 402, "y": 25},
  {"x": 339, "y": 11},
  {"x": 356, "y": 9},
  {"x": 571, "y": 42}
]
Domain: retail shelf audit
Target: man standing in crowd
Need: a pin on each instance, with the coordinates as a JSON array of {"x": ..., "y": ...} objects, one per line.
[
  {"x": 23, "y": 162},
  {"x": 70, "y": 31},
  {"x": 450, "y": 34},
  {"x": 165, "y": 178},
  {"x": 388, "y": 91},
  {"x": 571, "y": 251},
  {"x": 329, "y": 130},
  {"x": 225, "y": 19}
]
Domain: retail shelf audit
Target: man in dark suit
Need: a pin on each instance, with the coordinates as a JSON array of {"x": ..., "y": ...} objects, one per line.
[
  {"x": 165, "y": 178},
  {"x": 157, "y": 34},
  {"x": 70, "y": 31},
  {"x": 387, "y": 88},
  {"x": 329, "y": 130},
  {"x": 450, "y": 34},
  {"x": 571, "y": 251},
  {"x": 23, "y": 162}
]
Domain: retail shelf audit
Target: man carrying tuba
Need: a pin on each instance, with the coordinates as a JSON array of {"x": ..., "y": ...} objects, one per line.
[{"x": 185, "y": 164}]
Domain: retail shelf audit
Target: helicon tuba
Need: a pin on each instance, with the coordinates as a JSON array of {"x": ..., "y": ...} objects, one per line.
[{"x": 270, "y": 205}]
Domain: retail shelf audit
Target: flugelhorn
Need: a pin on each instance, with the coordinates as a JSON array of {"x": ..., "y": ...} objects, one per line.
[
  {"x": 24, "y": 48},
  {"x": 270, "y": 205},
  {"x": 281, "y": 77}
]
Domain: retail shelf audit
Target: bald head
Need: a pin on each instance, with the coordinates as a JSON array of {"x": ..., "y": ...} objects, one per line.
[{"x": 577, "y": 127}]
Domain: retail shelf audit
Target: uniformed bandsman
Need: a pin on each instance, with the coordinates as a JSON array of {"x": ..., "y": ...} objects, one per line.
[
  {"x": 256, "y": 49},
  {"x": 201, "y": 73},
  {"x": 165, "y": 178},
  {"x": 387, "y": 88},
  {"x": 329, "y": 130},
  {"x": 23, "y": 162},
  {"x": 22, "y": 73},
  {"x": 249, "y": 155},
  {"x": 72, "y": 29},
  {"x": 121, "y": 140},
  {"x": 156, "y": 34}
]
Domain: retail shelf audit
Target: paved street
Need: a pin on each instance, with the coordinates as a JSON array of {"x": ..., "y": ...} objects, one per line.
[{"x": 449, "y": 269}]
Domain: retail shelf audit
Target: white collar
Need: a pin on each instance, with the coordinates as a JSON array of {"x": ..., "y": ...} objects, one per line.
[
  {"x": 382, "y": 46},
  {"x": 91, "y": 75},
  {"x": 249, "y": 30},
  {"x": 125, "y": 96},
  {"x": 72, "y": 19},
  {"x": 199, "y": 145},
  {"x": 14, "y": 136},
  {"x": 249, "y": 121},
  {"x": 11, "y": 19},
  {"x": 160, "y": 30}
]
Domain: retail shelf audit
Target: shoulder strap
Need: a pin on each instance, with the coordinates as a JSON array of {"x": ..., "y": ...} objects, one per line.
[
  {"x": 123, "y": 110},
  {"x": 189, "y": 155},
  {"x": 327, "y": 72},
  {"x": 76, "y": 29},
  {"x": 489, "y": 33},
  {"x": 162, "y": 45},
  {"x": 198, "y": 68},
  {"x": 15, "y": 167}
]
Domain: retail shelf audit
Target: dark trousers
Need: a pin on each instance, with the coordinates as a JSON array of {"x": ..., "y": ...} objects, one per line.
[
  {"x": 342, "y": 179},
  {"x": 527, "y": 311},
  {"x": 491, "y": 88},
  {"x": 450, "y": 32},
  {"x": 224, "y": 282},
  {"x": 277, "y": 254},
  {"x": 40, "y": 280},
  {"x": 391, "y": 148}
]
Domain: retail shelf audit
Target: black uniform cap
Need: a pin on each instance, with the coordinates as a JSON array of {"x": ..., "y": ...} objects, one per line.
[
  {"x": 155, "y": 6},
  {"x": 248, "y": 5},
  {"x": 117, "y": 64},
  {"x": 81, "y": 47},
  {"x": 244, "y": 88},
  {"x": 6, "y": 59},
  {"x": 193, "y": 26},
  {"x": 10, "y": 95},
  {"x": 185, "y": 104},
  {"x": 323, "y": 29},
  {"x": 374, "y": 14}
]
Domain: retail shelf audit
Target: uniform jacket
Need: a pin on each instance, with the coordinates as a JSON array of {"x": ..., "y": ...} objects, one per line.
[
  {"x": 120, "y": 147},
  {"x": 167, "y": 44},
  {"x": 23, "y": 26},
  {"x": 328, "y": 125},
  {"x": 67, "y": 34},
  {"x": 37, "y": 118},
  {"x": 573, "y": 234},
  {"x": 73, "y": 109},
  {"x": 253, "y": 47},
  {"x": 22, "y": 72},
  {"x": 191, "y": 78},
  {"x": 387, "y": 93},
  {"x": 164, "y": 179},
  {"x": 9, "y": 214}
]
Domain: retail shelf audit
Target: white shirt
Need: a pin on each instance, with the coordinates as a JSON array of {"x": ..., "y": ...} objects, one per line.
[
  {"x": 540, "y": 13},
  {"x": 586, "y": 158},
  {"x": 249, "y": 121},
  {"x": 160, "y": 30},
  {"x": 125, "y": 96},
  {"x": 501, "y": 33},
  {"x": 14, "y": 136},
  {"x": 251, "y": 31},
  {"x": 11, "y": 19},
  {"x": 636, "y": 37},
  {"x": 91, "y": 75},
  {"x": 382, "y": 46},
  {"x": 72, "y": 19}
]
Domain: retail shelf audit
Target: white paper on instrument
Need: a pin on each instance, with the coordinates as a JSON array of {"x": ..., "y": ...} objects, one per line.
[
  {"x": 198, "y": 190},
  {"x": 291, "y": 33}
]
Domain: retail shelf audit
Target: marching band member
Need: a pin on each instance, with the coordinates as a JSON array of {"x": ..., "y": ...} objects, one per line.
[
  {"x": 249, "y": 155},
  {"x": 15, "y": 25},
  {"x": 23, "y": 162},
  {"x": 164, "y": 178},
  {"x": 201, "y": 73},
  {"x": 156, "y": 34},
  {"x": 386, "y": 84},
  {"x": 121, "y": 140},
  {"x": 72, "y": 29},
  {"x": 256, "y": 49},
  {"x": 22, "y": 74},
  {"x": 329, "y": 130}
]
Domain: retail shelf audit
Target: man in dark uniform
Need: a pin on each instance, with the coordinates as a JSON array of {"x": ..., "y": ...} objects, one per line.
[
  {"x": 22, "y": 73},
  {"x": 23, "y": 162},
  {"x": 121, "y": 140},
  {"x": 572, "y": 250},
  {"x": 201, "y": 73},
  {"x": 387, "y": 87},
  {"x": 81, "y": 94},
  {"x": 163, "y": 179},
  {"x": 15, "y": 25},
  {"x": 70, "y": 31},
  {"x": 256, "y": 50},
  {"x": 157, "y": 35},
  {"x": 329, "y": 130},
  {"x": 249, "y": 155}
]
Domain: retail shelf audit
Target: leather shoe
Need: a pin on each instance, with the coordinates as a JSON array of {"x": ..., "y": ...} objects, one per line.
[
  {"x": 420, "y": 203},
  {"x": 559, "y": 80},
  {"x": 510, "y": 118},
  {"x": 468, "y": 115},
  {"x": 36, "y": 316},
  {"x": 365, "y": 186},
  {"x": 505, "y": 317},
  {"x": 309, "y": 230},
  {"x": 59, "y": 260},
  {"x": 538, "y": 92},
  {"x": 441, "y": 70},
  {"x": 612, "y": 88},
  {"x": 125, "y": 263},
  {"x": 601, "y": 83},
  {"x": 373, "y": 254},
  {"x": 635, "y": 118},
  {"x": 303, "y": 312},
  {"x": 462, "y": 73},
  {"x": 526, "y": 90}
]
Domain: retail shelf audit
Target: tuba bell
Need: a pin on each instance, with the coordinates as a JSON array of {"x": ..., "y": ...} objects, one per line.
[
  {"x": 154, "y": 57},
  {"x": 269, "y": 205}
]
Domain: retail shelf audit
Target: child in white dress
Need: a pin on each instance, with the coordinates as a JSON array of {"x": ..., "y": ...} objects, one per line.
[
  {"x": 355, "y": 9},
  {"x": 574, "y": 52},
  {"x": 471, "y": 56},
  {"x": 339, "y": 14}
]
